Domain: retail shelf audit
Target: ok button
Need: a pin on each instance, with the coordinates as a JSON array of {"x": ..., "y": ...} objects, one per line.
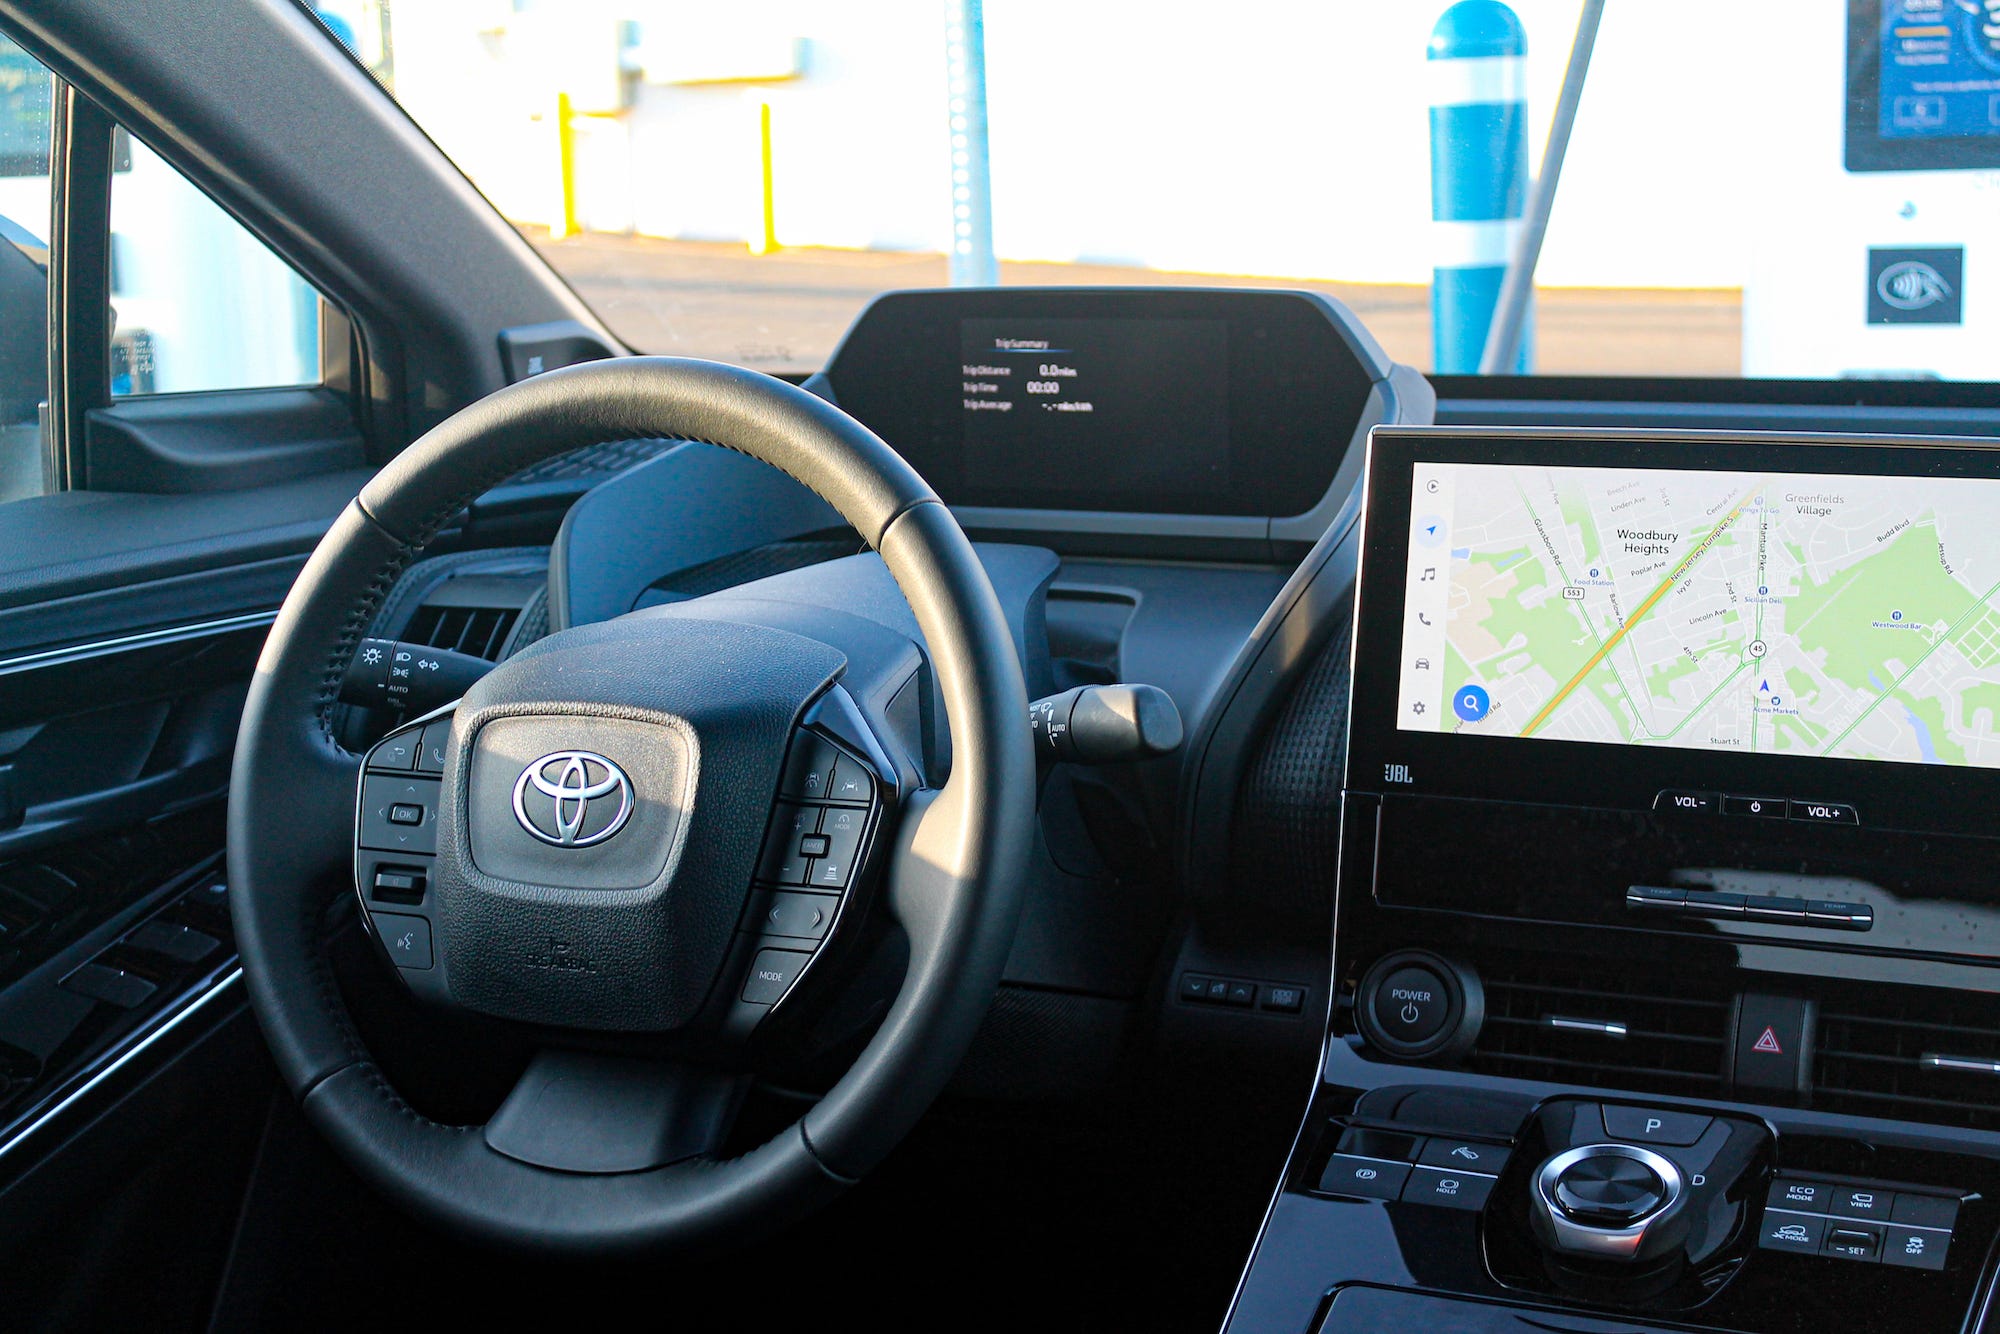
[{"x": 1411, "y": 1004}]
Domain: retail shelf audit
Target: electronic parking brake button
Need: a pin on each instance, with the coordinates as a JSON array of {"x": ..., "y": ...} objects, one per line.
[
  {"x": 1412, "y": 1004},
  {"x": 1372, "y": 1178}
]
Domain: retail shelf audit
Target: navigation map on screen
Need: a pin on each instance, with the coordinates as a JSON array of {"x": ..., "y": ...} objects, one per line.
[{"x": 1809, "y": 614}]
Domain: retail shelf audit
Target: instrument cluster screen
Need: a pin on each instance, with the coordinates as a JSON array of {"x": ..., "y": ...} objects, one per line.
[{"x": 1071, "y": 403}]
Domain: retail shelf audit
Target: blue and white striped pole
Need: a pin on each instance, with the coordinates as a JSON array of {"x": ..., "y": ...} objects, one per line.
[
  {"x": 1479, "y": 175},
  {"x": 972, "y": 262}
]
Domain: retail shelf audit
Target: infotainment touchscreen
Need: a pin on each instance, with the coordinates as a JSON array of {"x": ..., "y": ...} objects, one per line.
[
  {"x": 1772, "y": 626},
  {"x": 1812, "y": 614}
]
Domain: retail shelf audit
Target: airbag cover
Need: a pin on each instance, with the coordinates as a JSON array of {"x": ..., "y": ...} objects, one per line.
[{"x": 628, "y": 932}]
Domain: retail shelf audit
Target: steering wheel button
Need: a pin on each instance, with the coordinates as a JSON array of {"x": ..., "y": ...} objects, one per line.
[
  {"x": 772, "y": 974},
  {"x": 852, "y": 781},
  {"x": 784, "y": 860},
  {"x": 806, "y": 916},
  {"x": 399, "y": 814},
  {"x": 842, "y": 831},
  {"x": 406, "y": 936},
  {"x": 810, "y": 770},
  {"x": 431, "y": 750},
  {"x": 396, "y": 752},
  {"x": 813, "y": 845}
]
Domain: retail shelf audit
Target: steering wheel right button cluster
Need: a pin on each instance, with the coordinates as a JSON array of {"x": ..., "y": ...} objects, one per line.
[{"x": 812, "y": 854}]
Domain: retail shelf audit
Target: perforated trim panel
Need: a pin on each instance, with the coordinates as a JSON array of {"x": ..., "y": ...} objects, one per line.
[{"x": 1285, "y": 839}]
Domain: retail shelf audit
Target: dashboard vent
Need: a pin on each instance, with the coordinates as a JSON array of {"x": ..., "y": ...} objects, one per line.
[
  {"x": 1918, "y": 1057},
  {"x": 1558, "y": 1025},
  {"x": 480, "y": 631}
]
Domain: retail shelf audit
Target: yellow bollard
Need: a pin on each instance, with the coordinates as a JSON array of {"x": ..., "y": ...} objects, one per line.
[
  {"x": 565, "y": 224},
  {"x": 769, "y": 241}
]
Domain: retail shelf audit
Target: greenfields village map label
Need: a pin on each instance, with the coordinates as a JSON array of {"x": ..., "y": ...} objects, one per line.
[{"x": 1810, "y": 614}]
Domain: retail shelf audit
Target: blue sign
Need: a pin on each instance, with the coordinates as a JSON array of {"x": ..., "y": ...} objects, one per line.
[
  {"x": 1471, "y": 703},
  {"x": 1940, "y": 69}
]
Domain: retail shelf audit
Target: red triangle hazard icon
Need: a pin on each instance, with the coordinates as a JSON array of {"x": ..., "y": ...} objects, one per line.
[{"x": 1768, "y": 1042}]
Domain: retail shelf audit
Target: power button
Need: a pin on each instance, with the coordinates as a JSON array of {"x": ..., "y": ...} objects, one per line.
[{"x": 1412, "y": 1004}]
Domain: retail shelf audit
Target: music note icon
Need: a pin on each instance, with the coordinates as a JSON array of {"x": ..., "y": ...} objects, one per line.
[{"x": 1430, "y": 573}]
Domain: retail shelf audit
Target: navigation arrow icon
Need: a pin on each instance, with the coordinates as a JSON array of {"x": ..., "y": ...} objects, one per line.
[{"x": 1766, "y": 687}]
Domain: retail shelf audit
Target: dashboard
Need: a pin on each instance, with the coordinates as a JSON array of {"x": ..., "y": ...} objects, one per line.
[{"x": 1582, "y": 805}]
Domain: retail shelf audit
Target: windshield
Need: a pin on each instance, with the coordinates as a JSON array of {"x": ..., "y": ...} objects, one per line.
[{"x": 1798, "y": 191}]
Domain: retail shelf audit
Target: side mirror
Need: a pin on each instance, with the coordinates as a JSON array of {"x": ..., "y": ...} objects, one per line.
[
  {"x": 24, "y": 359},
  {"x": 24, "y": 325}
]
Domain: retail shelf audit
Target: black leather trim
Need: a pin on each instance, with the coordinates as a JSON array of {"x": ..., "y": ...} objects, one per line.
[{"x": 955, "y": 879}]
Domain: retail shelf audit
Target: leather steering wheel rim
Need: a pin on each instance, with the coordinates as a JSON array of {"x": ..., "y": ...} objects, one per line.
[{"x": 953, "y": 881}]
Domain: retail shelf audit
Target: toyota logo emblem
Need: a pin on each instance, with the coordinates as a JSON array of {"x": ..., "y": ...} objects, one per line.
[{"x": 573, "y": 798}]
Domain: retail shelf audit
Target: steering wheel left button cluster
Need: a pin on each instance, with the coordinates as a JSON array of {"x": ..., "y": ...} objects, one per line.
[{"x": 396, "y": 844}]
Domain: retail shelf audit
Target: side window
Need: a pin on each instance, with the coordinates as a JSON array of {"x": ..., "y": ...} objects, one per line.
[
  {"x": 197, "y": 302},
  {"x": 26, "y": 121}
]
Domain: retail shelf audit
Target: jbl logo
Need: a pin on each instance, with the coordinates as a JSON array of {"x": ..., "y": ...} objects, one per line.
[{"x": 1396, "y": 773}]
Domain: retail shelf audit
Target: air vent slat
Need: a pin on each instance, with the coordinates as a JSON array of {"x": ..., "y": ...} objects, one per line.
[
  {"x": 1671, "y": 1042},
  {"x": 1872, "y": 1064},
  {"x": 479, "y": 631}
]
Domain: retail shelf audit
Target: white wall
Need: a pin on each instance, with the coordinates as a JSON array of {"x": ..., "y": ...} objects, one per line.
[{"x": 1245, "y": 136}]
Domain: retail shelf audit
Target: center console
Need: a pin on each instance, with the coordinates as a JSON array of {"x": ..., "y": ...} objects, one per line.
[{"x": 1668, "y": 894}]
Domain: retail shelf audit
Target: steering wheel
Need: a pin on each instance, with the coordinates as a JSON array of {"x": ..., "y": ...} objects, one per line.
[{"x": 646, "y": 843}]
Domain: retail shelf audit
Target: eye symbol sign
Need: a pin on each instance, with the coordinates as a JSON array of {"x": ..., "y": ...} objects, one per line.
[
  {"x": 572, "y": 798},
  {"x": 1911, "y": 285}
]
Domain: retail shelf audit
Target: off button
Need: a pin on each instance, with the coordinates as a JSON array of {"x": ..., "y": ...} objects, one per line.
[{"x": 1412, "y": 1005}]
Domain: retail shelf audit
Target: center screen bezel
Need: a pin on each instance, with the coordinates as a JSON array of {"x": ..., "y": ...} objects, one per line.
[{"x": 1382, "y": 758}]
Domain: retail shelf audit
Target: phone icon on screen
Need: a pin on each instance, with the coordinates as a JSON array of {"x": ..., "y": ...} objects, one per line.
[{"x": 1423, "y": 619}]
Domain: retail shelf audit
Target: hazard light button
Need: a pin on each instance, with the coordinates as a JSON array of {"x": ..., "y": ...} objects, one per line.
[{"x": 1770, "y": 1043}]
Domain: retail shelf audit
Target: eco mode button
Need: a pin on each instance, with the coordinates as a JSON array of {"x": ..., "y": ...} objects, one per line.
[{"x": 1412, "y": 1004}]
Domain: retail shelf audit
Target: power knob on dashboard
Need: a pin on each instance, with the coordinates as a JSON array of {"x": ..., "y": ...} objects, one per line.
[{"x": 1414, "y": 1004}]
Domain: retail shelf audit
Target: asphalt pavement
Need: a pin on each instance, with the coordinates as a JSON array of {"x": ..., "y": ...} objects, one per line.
[{"x": 786, "y": 310}]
